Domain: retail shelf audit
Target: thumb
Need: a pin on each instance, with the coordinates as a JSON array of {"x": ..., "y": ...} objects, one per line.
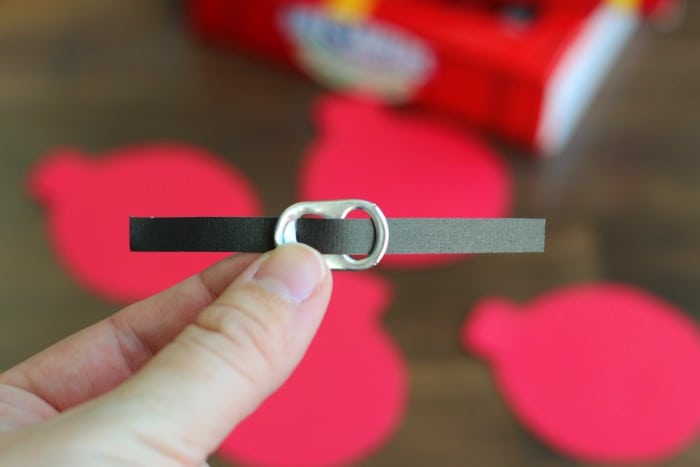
[{"x": 239, "y": 350}]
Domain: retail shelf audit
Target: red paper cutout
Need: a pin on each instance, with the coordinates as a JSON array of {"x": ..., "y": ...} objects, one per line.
[
  {"x": 344, "y": 399},
  {"x": 89, "y": 202},
  {"x": 600, "y": 372},
  {"x": 409, "y": 166}
]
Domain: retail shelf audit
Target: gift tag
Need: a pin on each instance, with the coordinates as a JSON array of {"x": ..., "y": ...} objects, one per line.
[
  {"x": 89, "y": 201},
  {"x": 600, "y": 372},
  {"x": 409, "y": 166},
  {"x": 346, "y": 397}
]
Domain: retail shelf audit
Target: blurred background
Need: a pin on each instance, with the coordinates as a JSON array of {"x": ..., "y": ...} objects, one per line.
[{"x": 620, "y": 198}]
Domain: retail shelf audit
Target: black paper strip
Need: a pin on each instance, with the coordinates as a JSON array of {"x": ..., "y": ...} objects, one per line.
[{"x": 336, "y": 236}]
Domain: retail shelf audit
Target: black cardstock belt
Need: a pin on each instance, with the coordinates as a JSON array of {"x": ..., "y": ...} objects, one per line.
[{"x": 337, "y": 237}]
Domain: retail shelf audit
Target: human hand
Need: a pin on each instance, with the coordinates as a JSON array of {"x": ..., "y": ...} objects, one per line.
[{"x": 220, "y": 342}]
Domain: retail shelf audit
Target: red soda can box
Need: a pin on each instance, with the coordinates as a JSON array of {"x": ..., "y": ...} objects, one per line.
[{"x": 525, "y": 72}]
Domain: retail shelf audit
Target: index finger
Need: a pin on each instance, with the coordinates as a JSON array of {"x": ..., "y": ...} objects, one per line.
[{"x": 103, "y": 355}]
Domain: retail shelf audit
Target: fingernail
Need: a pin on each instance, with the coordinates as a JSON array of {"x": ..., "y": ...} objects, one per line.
[{"x": 292, "y": 271}]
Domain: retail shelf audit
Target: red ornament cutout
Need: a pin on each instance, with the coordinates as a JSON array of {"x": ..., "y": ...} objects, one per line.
[
  {"x": 410, "y": 166},
  {"x": 90, "y": 200},
  {"x": 345, "y": 398},
  {"x": 600, "y": 372}
]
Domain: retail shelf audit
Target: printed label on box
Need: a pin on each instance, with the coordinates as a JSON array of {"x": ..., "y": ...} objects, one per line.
[{"x": 365, "y": 55}]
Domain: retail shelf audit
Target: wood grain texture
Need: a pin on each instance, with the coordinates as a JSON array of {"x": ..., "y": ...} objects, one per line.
[{"x": 621, "y": 203}]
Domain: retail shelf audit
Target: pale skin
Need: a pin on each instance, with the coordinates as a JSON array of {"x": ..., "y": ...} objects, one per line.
[{"x": 162, "y": 382}]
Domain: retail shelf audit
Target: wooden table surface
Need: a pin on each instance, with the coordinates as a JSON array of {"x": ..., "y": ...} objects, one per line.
[{"x": 621, "y": 203}]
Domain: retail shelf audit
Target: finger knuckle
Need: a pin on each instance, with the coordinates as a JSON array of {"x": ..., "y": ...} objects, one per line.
[{"x": 251, "y": 334}]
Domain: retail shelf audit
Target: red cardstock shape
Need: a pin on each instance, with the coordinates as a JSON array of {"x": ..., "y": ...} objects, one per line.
[
  {"x": 89, "y": 201},
  {"x": 408, "y": 165},
  {"x": 600, "y": 372},
  {"x": 344, "y": 399}
]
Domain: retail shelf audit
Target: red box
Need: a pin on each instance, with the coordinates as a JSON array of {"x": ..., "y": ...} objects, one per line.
[{"x": 524, "y": 73}]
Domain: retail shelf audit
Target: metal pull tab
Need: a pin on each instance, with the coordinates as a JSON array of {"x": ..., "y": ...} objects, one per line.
[{"x": 286, "y": 229}]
